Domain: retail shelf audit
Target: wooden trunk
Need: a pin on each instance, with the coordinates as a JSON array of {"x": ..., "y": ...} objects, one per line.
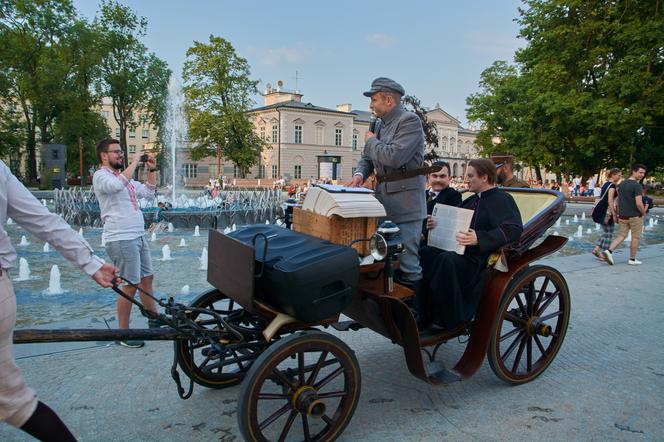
[{"x": 335, "y": 229}]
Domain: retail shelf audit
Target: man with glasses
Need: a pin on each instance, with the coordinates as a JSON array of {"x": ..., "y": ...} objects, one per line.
[
  {"x": 506, "y": 177},
  {"x": 124, "y": 228}
]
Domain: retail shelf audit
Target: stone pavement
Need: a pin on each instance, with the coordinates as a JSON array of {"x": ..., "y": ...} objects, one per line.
[{"x": 607, "y": 382}]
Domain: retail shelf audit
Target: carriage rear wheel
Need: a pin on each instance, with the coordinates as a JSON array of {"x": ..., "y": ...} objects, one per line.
[
  {"x": 304, "y": 387},
  {"x": 204, "y": 364},
  {"x": 530, "y": 326}
]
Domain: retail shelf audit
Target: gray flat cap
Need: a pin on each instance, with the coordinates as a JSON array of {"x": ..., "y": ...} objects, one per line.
[{"x": 383, "y": 84}]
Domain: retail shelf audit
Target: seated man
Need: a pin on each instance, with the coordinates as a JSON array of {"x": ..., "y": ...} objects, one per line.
[
  {"x": 439, "y": 192},
  {"x": 452, "y": 284}
]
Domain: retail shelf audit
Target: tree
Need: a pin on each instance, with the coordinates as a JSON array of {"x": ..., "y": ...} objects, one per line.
[
  {"x": 586, "y": 91},
  {"x": 135, "y": 80},
  {"x": 217, "y": 92}
]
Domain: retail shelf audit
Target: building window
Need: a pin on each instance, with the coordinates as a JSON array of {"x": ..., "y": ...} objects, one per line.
[
  {"x": 275, "y": 132},
  {"x": 262, "y": 133},
  {"x": 261, "y": 171},
  {"x": 190, "y": 170},
  {"x": 297, "y": 173},
  {"x": 132, "y": 133},
  {"x": 298, "y": 134},
  {"x": 104, "y": 114},
  {"x": 145, "y": 133},
  {"x": 337, "y": 136},
  {"x": 320, "y": 135},
  {"x": 354, "y": 141},
  {"x": 274, "y": 171},
  {"x": 117, "y": 132},
  {"x": 132, "y": 148}
]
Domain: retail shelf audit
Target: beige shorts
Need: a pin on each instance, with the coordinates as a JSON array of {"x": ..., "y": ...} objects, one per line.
[{"x": 633, "y": 224}]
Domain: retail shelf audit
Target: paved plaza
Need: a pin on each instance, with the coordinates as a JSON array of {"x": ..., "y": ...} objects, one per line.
[{"x": 607, "y": 382}]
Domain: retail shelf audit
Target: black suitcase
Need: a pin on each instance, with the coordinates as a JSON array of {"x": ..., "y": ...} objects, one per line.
[{"x": 308, "y": 278}]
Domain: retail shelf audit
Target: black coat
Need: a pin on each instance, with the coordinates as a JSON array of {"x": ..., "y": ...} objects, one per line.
[{"x": 454, "y": 282}]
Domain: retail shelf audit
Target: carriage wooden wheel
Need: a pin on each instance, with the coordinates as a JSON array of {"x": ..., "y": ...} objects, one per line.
[
  {"x": 530, "y": 326},
  {"x": 210, "y": 368},
  {"x": 303, "y": 387}
]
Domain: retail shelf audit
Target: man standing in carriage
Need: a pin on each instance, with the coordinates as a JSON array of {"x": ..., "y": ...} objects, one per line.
[{"x": 394, "y": 151}]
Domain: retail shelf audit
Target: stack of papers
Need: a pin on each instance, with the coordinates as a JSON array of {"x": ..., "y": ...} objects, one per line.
[{"x": 347, "y": 202}]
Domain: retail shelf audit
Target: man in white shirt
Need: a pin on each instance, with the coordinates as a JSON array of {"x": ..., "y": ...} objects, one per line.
[
  {"x": 19, "y": 406},
  {"x": 124, "y": 229}
]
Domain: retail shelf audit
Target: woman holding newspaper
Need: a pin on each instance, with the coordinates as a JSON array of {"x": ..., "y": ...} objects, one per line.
[{"x": 453, "y": 278}]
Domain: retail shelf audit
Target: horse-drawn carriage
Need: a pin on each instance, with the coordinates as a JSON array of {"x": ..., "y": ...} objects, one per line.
[{"x": 276, "y": 291}]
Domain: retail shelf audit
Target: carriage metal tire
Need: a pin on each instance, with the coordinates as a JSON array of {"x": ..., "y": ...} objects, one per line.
[
  {"x": 271, "y": 357},
  {"x": 522, "y": 277},
  {"x": 183, "y": 357}
]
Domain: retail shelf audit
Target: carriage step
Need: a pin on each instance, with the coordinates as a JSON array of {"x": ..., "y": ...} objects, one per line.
[
  {"x": 347, "y": 325},
  {"x": 443, "y": 376}
]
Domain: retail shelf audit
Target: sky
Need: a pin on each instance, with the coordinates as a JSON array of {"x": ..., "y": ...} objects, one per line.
[{"x": 435, "y": 49}]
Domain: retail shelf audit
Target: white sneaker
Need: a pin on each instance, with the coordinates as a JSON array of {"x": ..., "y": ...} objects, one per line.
[
  {"x": 634, "y": 262},
  {"x": 609, "y": 256}
]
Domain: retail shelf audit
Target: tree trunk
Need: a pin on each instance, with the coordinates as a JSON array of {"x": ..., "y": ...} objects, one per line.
[{"x": 538, "y": 173}]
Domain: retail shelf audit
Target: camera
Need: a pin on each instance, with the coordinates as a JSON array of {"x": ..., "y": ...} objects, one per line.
[{"x": 144, "y": 158}]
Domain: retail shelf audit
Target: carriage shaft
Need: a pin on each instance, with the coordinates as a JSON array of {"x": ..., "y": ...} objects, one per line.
[{"x": 29, "y": 336}]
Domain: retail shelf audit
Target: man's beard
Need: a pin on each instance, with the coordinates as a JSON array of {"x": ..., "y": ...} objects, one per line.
[
  {"x": 117, "y": 166},
  {"x": 501, "y": 177}
]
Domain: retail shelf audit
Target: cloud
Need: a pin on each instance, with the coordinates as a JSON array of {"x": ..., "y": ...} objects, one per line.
[
  {"x": 381, "y": 40},
  {"x": 271, "y": 57}
]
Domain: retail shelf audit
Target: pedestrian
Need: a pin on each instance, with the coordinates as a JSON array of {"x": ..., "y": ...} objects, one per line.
[
  {"x": 394, "y": 150},
  {"x": 630, "y": 214},
  {"x": 124, "y": 230},
  {"x": 19, "y": 405},
  {"x": 591, "y": 182},
  {"x": 504, "y": 168},
  {"x": 605, "y": 213},
  {"x": 576, "y": 183}
]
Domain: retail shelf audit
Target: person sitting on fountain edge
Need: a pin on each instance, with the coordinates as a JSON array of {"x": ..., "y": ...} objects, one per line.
[
  {"x": 452, "y": 284},
  {"x": 124, "y": 230}
]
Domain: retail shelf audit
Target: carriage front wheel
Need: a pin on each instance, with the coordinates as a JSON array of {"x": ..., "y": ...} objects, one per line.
[
  {"x": 303, "y": 387},
  {"x": 530, "y": 326}
]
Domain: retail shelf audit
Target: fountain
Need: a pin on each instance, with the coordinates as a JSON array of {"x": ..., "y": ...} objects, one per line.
[
  {"x": 579, "y": 232},
  {"x": 629, "y": 236},
  {"x": 24, "y": 241},
  {"x": 54, "y": 287},
  {"x": 153, "y": 237},
  {"x": 23, "y": 270},
  {"x": 227, "y": 230},
  {"x": 583, "y": 216},
  {"x": 267, "y": 221},
  {"x": 183, "y": 243},
  {"x": 184, "y": 290},
  {"x": 557, "y": 223},
  {"x": 204, "y": 259},
  {"x": 103, "y": 240},
  {"x": 234, "y": 228},
  {"x": 166, "y": 253},
  {"x": 597, "y": 226},
  {"x": 589, "y": 231},
  {"x": 171, "y": 228},
  {"x": 43, "y": 202},
  {"x": 47, "y": 248},
  {"x": 176, "y": 129},
  {"x": 197, "y": 231},
  {"x": 10, "y": 221},
  {"x": 567, "y": 222},
  {"x": 80, "y": 231},
  {"x": 556, "y": 233},
  {"x": 576, "y": 218}
]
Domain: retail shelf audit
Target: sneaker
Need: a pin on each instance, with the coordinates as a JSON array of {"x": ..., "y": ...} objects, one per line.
[
  {"x": 609, "y": 256},
  {"x": 131, "y": 344},
  {"x": 634, "y": 262}
]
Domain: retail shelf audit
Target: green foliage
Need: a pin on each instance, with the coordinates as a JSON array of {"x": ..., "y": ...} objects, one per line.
[
  {"x": 217, "y": 92},
  {"x": 133, "y": 78},
  {"x": 586, "y": 91},
  {"x": 413, "y": 104}
]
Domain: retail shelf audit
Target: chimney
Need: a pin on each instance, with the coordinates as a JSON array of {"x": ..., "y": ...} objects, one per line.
[{"x": 345, "y": 107}]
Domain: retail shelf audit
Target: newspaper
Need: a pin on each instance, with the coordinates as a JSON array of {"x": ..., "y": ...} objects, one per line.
[{"x": 449, "y": 221}]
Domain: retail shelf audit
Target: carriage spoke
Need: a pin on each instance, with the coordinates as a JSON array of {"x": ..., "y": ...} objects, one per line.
[
  {"x": 512, "y": 346},
  {"x": 529, "y": 354},
  {"x": 327, "y": 419},
  {"x": 551, "y": 315},
  {"x": 300, "y": 366},
  {"x": 331, "y": 394},
  {"x": 305, "y": 427},
  {"x": 510, "y": 334},
  {"x": 276, "y": 415},
  {"x": 529, "y": 297},
  {"x": 317, "y": 368},
  {"x": 548, "y": 302},
  {"x": 519, "y": 353},
  {"x": 269, "y": 396},
  {"x": 539, "y": 345},
  {"x": 521, "y": 306},
  {"x": 541, "y": 293},
  {"x": 287, "y": 382},
  {"x": 289, "y": 424},
  {"x": 513, "y": 318},
  {"x": 329, "y": 377}
]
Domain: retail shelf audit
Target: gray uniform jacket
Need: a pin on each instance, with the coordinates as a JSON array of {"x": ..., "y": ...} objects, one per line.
[{"x": 399, "y": 142}]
